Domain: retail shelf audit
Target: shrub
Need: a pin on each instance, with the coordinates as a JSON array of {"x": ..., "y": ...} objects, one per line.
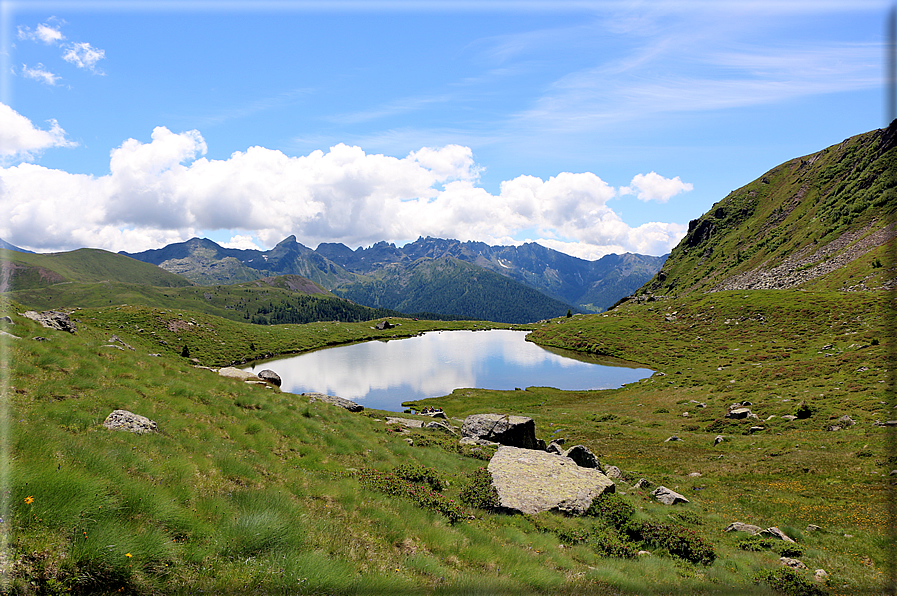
[
  {"x": 422, "y": 496},
  {"x": 661, "y": 411},
  {"x": 754, "y": 543},
  {"x": 804, "y": 411},
  {"x": 478, "y": 490},
  {"x": 789, "y": 582},
  {"x": 612, "y": 509},
  {"x": 610, "y": 543},
  {"x": 421, "y": 474},
  {"x": 677, "y": 540}
]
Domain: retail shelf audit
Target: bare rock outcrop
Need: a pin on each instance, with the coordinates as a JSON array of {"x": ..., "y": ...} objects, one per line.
[
  {"x": 235, "y": 373},
  {"x": 52, "y": 319},
  {"x": 531, "y": 481}
]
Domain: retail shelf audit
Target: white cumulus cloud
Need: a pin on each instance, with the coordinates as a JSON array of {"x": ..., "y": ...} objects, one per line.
[
  {"x": 165, "y": 190},
  {"x": 654, "y": 187},
  {"x": 43, "y": 33},
  {"x": 19, "y": 138}
]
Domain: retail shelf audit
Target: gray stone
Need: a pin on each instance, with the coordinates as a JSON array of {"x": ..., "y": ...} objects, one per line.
[
  {"x": 554, "y": 448},
  {"x": 514, "y": 431},
  {"x": 383, "y": 325},
  {"x": 434, "y": 425},
  {"x": 719, "y": 439},
  {"x": 756, "y": 429},
  {"x": 775, "y": 532},
  {"x": 740, "y": 527},
  {"x": 531, "y": 481},
  {"x": 481, "y": 442},
  {"x": 235, "y": 373},
  {"x": 793, "y": 563},
  {"x": 583, "y": 457},
  {"x": 813, "y": 528},
  {"x": 820, "y": 575},
  {"x": 269, "y": 376},
  {"x": 336, "y": 401},
  {"x": 613, "y": 472},
  {"x": 672, "y": 438},
  {"x": 131, "y": 422},
  {"x": 738, "y": 413},
  {"x": 790, "y": 417},
  {"x": 667, "y": 496},
  {"x": 116, "y": 339},
  {"x": 51, "y": 319},
  {"x": 846, "y": 421},
  {"x": 409, "y": 422},
  {"x": 5, "y": 334},
  {"x": 643, "y": 483},
  {"x": 6, "y": 319}
]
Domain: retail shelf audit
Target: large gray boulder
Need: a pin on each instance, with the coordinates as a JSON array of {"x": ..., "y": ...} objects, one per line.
[
  {"x": 131, "y": 422},
  {"x": 530, "y": 481},
  {"x": 514, "y": 431},
  {"x": 269, "y": 376},
  {"x": 742, "y": 527},
  {"x": 51, "y": 319},
  {"x": 336, "y": 401}
]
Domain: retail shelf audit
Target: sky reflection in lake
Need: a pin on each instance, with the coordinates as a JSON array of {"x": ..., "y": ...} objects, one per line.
[{"x": 383, "y": 374}]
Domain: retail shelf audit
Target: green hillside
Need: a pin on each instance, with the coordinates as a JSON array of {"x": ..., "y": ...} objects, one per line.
[
  {"x": 27, "y": 270},
  {"x": 796, "y": 224},
  {"x": 284, "y": 299},
  {"x": 448, "y": 285}
]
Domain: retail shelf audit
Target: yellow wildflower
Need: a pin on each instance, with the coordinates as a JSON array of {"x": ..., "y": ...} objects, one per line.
[
  {"x": 29, "y": 500},
  {"x": 128, "y": 555}
]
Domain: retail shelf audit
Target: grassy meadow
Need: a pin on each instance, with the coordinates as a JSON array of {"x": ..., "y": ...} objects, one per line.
[{"x": 252, "y": 490}]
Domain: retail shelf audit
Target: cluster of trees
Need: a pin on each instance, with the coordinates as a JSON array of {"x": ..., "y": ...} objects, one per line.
[{"x": 307, "y": 309}]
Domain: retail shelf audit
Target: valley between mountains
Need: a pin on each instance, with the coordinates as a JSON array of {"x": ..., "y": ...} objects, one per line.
[{"x": 771, "y": 414}]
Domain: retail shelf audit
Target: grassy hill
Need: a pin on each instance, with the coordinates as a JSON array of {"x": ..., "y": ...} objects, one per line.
[
  {"x": 796, "y": 225},
  {"x": 28, "y": 270},
  {"x": 248, "y": 489}
]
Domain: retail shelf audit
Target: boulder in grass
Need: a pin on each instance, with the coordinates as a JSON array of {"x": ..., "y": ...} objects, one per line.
[
  {"x": 235, "y": 373},
  {"x": 582, "y": 456},
  {"x": 740, "y": 527},
  {"x": 336, "y": 401},
  {"x": 667, "y": 496},
  {"x": 269, "y": 376},
  {"x": 530, "y": 481},
  {"x": 774, "y": 532},
  {"x": 514, "y": 431},
  {"x": 131, "y": 422},
  {"x": 51, "y": 319}
]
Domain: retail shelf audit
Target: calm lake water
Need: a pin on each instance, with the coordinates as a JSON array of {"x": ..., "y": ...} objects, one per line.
[{"x": 383, "y": 374}]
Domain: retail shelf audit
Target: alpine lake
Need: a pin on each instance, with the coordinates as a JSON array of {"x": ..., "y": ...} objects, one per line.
[{"x": 385, "y": 374}]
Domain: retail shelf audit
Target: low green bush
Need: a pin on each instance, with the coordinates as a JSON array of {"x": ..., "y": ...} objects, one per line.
[
  {"x": 478, "y": 490},
  {"x": 422, "y": 475},
  {"x": 789, "y": 582},
  {"x": 677, "y": 540},
  {"x": 612, "y": 509},
  {"x": 423, "y": 496}
]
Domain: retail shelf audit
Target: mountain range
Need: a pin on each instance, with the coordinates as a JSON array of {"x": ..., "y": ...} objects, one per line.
[{"x": 474, "y": 279}]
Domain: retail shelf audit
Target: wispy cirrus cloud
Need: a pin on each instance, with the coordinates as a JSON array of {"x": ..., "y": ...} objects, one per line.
[
  {"x": 39, "y": 73},
  {"x": 83, "y": 55}
]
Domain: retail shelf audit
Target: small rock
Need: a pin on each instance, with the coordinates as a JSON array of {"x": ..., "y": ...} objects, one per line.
[
  {"x": 694, "y": 475},
  {"x": 10, "y": 335},
  {"x": 820, "y": 575},
  {"x": 643, "y": 553},
  {"x": 790, "y": 417},
  {"x": 335, "y": 401},
  {"x": 813, "y": 528},
  {"x": 643, "y": 483},
  {"x": 756, "y": 429},
  {"x": 738, "y": 413},
  {"x": 846, "y": 421},
  {"x": 775, "y": 532},
  {"x": 614, "y": 472},
  {"x": 740, "y": 527},
  {"x": 6, "y": 319},
  {"x": 719, "y": 439},
  {"x": 793, "y": 563},
  {"x": 129, "y": 421},
  {"x": 672, "y": 438},
  {"x": 667, "y": 496},
  {"x": 553, "y": 448}
]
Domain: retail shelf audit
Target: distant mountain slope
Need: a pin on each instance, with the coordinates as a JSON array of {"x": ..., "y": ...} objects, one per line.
[
  {"x": 6, "y": 245},
  {"x": 591, "y": 285},
  {"x": 822, "y": 221},
  {"x": 205, "y": 262},
  {"x": 29, "y": 270},
  {"x": 450, "y": 286}
]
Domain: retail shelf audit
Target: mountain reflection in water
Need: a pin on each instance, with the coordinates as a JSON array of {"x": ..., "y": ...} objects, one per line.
[{"x": 383, "y": 374}]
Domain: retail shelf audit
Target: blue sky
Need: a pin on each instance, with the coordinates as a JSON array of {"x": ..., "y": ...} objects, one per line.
[{"x": 589, "y": 127}]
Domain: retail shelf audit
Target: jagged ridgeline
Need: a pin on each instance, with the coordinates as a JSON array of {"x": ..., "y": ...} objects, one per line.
[{"x": 818, "y": 222}]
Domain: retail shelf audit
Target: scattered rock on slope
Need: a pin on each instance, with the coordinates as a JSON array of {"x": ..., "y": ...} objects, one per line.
[
  {"x": 131, "y": 422},
  {"x": 51, "y": 319}
]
